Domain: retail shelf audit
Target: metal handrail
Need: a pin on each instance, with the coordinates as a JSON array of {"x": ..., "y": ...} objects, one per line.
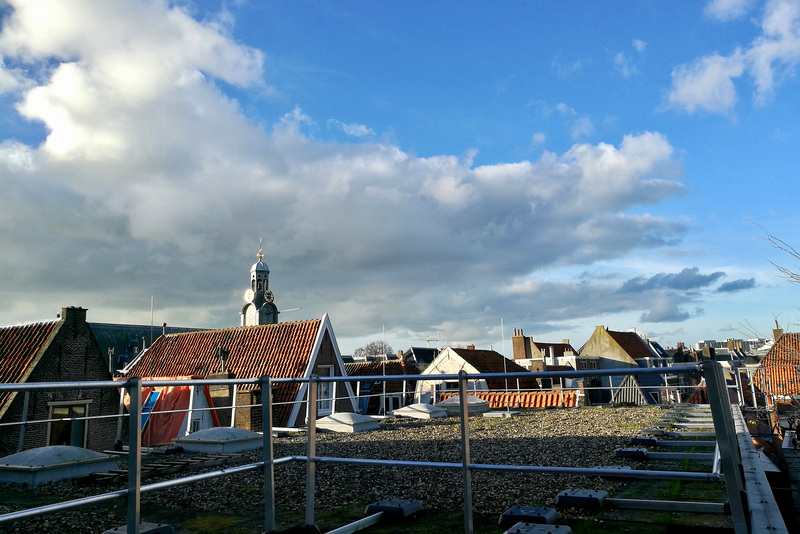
[{"x": 730, "y": 460}]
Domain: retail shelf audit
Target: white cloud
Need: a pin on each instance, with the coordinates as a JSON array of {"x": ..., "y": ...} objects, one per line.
[
  {"x": 155, "y": 173},
  {"x": 16, "y": 157},
  {"x": 565, "y": 109},
  {"x": 707, "y": 83},
  {"x": 727, "y": 9},
  {"x": 352, "y": 129},
  {"x": 624, "y": 65},
  {"x": 639, "y": 45},
  {"x": 583, "y": 127},
  {"x": 538, "y": 138}
]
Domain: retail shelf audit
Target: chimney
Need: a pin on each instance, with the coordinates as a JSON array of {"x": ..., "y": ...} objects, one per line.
[
  {"x": 164, "y": 329},
  {"x": 222, "y": 354},
  {"x": 471, "y": 347},
  {"x": 553, "y": 355},
  {"x": 565, "y": 341},
  {"x": 399, "y": 354},
  {"x": 520, "y": 346},
  {"x": 73, "y": 314}
]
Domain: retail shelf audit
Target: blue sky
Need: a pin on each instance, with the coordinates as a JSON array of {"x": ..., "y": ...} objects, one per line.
[{"x": 415, "y": 169}]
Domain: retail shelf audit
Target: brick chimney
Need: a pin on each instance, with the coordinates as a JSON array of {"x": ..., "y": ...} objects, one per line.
[
  {"x": 520, "y": 345},
  {"x": 73, "y": 314}
]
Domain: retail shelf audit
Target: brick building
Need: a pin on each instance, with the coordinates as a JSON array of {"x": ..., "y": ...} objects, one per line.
[
  {"x": 283, "y": 350},
  {"x": 61, "y": 350}
]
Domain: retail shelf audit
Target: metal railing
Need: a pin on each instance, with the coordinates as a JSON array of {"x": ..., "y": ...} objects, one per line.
[{"x": 729, "y": 456}]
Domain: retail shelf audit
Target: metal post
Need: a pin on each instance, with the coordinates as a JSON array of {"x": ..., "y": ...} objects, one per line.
[
  {"x": 739, "y": 386},
  {"x": 134, "y": 387},
  {"x": 466, "y": 473},
  {"x": 265, "y": 383},
  {"x": 188, "y": 415},
  {"x": 24, "y": 425},
  {"x": 726, "y": 441},
  {"x": 121, "y": 414},
  {"x": 233, "y": 406},
  {"x": 311, "y": 466},
  {"x": 333, "y": 405}
]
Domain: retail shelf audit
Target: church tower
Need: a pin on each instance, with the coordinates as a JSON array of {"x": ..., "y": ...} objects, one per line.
[{"x": 259, "y": 307}]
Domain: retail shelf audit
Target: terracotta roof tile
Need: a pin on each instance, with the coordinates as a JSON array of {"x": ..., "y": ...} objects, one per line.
[
  {"x": 778, "y": 373},
  {"x": 19, "y": 347},
  {"x": 632, "y": 344},
  {"x": 567, "y": 398},
  {"x": 278, "y": 350}
]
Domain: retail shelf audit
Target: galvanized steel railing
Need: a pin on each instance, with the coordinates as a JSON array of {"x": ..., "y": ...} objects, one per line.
[{"x": 729, "y": 455}]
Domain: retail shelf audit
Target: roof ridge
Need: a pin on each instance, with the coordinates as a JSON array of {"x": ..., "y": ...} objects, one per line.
[
  {"x": 242, "y": 328},
  {"x": 29, "y": 323}
]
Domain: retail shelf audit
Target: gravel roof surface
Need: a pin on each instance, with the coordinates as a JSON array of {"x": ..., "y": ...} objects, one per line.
[{"x": 584, "y": 437}]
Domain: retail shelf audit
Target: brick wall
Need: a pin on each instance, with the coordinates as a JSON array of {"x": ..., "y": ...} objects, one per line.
[{"x": 71, "y": 356}]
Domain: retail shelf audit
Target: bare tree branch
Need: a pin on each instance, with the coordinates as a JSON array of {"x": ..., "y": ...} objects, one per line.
[{"x": 792, "y": 275}]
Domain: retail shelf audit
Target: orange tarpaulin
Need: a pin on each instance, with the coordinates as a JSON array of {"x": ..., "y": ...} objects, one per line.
[{"x": 162, "y": 428}]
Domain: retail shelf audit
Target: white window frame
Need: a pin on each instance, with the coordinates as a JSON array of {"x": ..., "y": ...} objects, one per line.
[
  {"x": 75, "y": 402},
  {"x": 325, "y": 391}
]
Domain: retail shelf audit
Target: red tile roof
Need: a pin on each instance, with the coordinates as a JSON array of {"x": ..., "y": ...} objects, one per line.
[
  {"x": 632, "y": 344},
  {"x": 280, "y": 350},
  {"x": 568, "y": 398},
  {"x": 489, "y": 361},
  {"x": 778, "y": 373},
  {"x": 20, "y": 347}
]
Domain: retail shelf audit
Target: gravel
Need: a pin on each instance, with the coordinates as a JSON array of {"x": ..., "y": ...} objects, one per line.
[{"x": 584, "y": 437}]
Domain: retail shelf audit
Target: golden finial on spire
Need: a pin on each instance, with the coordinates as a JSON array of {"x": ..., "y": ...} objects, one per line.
[{"x": 260, "y": 254}]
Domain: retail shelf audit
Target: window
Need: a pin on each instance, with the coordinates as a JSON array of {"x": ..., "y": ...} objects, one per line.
[
  {"x": 325, "y": 391},
  {"x": 71, "y": 427},
  {"x": 148, "y": 405},
  {"x": 195, "y": 426}
]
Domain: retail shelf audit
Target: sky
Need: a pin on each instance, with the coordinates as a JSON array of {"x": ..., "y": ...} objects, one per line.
[{"x": 423, "y": 172}]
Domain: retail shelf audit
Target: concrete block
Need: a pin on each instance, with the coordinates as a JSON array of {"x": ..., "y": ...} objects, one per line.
[
  {"x": 638, "y": 453},
  {"x": 528, "y": 514},
  {"x": 644, "y": 440},
  {"x": 623, "y": 469},
  {"x": 533, "y": 528},
  {"x": 502, "y": 414},
  {"x": 394, "y": 508},
  {"x": 581, "y": 498}
]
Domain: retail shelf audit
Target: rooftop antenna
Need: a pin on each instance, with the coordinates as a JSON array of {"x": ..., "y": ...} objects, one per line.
[
  {"x": 505, "y": 369},
  {"x": 151, "y": 319}
]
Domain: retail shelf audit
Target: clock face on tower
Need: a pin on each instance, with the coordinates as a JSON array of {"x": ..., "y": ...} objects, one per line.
[
  {"x": 249, "y": 295},
  {"x": 250, "y": 316},
  {"x": 268, "y": 296}
]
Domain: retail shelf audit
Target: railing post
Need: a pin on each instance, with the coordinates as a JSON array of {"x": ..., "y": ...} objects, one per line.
[
  {"x": 24, "y": 425},
  {"x": 233, "y": 406},
  {"x": 134, "y": 387},
  {"x": 466, "y": 473},
  {"x": 311, "y": 466},
  {"x": 265, "y": 383},
  {"x": 727, "y": 443}
]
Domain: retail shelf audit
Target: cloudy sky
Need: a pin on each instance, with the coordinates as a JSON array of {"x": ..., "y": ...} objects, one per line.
[{"x": 415, "y": 169}]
